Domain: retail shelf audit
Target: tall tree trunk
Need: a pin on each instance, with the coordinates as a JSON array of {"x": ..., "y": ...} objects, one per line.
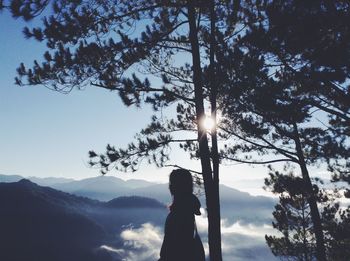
[
  {"x": 311, "y": 198},
  {"x": 304, "y": 224},
  {"x": 214, "y": 148},
  {"x": 211, "y": 193}
]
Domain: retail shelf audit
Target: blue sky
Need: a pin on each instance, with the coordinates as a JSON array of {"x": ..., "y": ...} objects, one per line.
[{"x": 45, "y": 133}]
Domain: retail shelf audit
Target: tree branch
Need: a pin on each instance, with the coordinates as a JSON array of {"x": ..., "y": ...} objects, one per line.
[
  {"x": 177, "y": 166},
  {"x": 146, "y": 90},
  {"x": 258, "y": 162}
]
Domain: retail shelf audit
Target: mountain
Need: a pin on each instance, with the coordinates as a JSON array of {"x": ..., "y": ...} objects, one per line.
[
  {"x": 40, "y": 223},
  {"x": 102, "y": 187},
  {"x": 238, "y": 205},
  {"x": 235, "y": 205},
  {"x": 10, "y": 178},
  {"x": 49, "y": 181},
  {"x": 134, "y": 202},
  {"x": 138, "y": 183}
]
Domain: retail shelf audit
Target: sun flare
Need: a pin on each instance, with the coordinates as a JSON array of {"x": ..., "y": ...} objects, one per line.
[{"x": 208, "y": 123}]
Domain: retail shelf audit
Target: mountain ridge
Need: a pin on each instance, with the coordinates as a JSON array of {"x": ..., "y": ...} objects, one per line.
[
  {"x": 235, "y": 204},
  {"x": 40, "y": 222},
  {"x": 47, "y": 224},
  {"x": 106, "y": 188}
]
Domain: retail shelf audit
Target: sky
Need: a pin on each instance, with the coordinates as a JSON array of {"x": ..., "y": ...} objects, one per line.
[{"x": 48, "y": 134}]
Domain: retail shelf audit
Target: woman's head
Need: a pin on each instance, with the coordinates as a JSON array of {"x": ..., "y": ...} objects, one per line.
[
  {"x": 181, "y": 187},
  {"x": 180, "y": 182}
]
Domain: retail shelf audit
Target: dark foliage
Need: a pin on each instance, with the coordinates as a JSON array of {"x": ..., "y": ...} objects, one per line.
[
  {"x": 292, "y": 218},
  {"x": 285, "y": 94}
]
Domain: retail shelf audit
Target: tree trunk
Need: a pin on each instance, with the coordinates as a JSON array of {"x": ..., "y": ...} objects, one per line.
[
  {"x": 214, "y": 140},
  {"x": 311, "y": 198},
  {"x": 212, "y": 196},
  {"x": 305, "y": 224}
]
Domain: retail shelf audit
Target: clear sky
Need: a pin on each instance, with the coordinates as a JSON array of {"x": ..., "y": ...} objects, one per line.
[{"x": 45, "y": 133}]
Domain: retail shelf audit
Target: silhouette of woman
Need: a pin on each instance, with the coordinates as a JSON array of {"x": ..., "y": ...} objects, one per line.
[{"x": 179, "y": 242}]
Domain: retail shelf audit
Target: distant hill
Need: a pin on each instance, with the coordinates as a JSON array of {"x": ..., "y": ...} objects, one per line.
[
  {"x": 40, "y": 223},
  {"x": 137, "y": 183},
  {"x": 102, "y": 187},
  {"x": 134, "y": 202},
  {"x": 49, "y": 181},
  {"x": 235, "y": 205},
  {"x": 40, "y": 181},
  {"x": 10, "y": 178}
]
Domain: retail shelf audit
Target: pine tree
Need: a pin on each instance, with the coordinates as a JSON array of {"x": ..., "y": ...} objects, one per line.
[
  {"x": 277, "y": 76},
  {"x": 112, "y": 45},
  {"x": 269, "y": 117},
  {"x": 311, "y": 39},
  {"x": 292, "y": 219}
]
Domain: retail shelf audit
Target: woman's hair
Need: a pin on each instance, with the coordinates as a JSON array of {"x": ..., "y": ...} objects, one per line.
[
  {"x": 180, "y": 183},
  {"x": 181, "y": 187}
]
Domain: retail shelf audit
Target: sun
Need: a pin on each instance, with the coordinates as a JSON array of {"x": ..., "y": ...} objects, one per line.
[{"x": 208, "y": 123}]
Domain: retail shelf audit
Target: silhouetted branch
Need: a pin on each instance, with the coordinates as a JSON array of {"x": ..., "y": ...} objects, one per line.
[
  {"x": 177, "y": 166},
  {"x": 146, "y": 90},
  {"x": 270, "y": 146},
  {"x": 258, "y": 162}
]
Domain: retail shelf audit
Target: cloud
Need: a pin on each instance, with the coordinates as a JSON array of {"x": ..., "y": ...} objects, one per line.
[
  {"x": 239, "y": 241},
  {"x": 245, "y": 242},
  {"x": 140, "y": 244},
  {"x": 112, "y": 250}
]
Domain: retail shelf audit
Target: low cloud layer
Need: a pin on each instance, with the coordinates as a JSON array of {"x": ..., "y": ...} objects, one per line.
[
  {"x": 239, "y": 241},
  {"x": 140, "y": 244}
]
